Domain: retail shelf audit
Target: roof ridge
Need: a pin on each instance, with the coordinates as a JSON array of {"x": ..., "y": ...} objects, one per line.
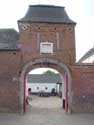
[{"x": 46, "y": 5}]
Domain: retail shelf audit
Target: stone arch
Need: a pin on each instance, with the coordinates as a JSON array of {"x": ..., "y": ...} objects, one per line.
[{"x": 45, "y": 61}]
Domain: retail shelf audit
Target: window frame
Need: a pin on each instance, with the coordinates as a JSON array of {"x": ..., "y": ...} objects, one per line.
[{"x": 44, "y": 44}]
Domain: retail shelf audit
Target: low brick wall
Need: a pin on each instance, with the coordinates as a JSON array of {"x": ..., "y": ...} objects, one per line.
[
  {"x": 83, "y": 88},
  {"x": 9, "y": 86},
  {"x": 9, "y": 96}
]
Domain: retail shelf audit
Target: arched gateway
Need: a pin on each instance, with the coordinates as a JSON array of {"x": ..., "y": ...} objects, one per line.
[
  {"x": 50, "y": 63},
  {"x": 46, "y": 38}
]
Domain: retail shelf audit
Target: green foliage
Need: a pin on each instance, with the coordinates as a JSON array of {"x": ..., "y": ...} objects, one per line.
[{"x": 49, "y": 72}]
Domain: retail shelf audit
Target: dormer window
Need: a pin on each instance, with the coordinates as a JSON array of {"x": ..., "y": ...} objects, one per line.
[{"x": 46, "y": 47}]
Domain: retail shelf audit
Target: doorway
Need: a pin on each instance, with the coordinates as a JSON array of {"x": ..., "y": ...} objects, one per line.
[
  {"x": 46, "y": 86},
  {"x": 59, "y": 66}
]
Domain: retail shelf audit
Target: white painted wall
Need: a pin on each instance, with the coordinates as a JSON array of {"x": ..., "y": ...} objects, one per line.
[{"x": 42, "y": 87}]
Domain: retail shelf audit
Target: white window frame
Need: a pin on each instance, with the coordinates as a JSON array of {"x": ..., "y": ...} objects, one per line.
[{"x": 43, "y": 46}]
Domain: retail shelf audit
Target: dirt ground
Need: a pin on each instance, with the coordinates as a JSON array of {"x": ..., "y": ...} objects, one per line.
[{"x": 50, "y": 102}]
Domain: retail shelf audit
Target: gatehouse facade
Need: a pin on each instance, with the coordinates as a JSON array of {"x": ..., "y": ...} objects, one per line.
[{"x": 46, "y": 38}]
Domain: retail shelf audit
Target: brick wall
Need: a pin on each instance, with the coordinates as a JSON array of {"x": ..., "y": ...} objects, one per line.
[
  {"x": 12, "y": 62},
  {"x": 83, "y": 88},
  {"x": 30, "y": 41},
  {"x": 9, "y": 86}
]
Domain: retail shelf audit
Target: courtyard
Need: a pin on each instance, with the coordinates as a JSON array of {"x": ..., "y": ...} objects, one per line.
[{"x": 50, "y": 102}]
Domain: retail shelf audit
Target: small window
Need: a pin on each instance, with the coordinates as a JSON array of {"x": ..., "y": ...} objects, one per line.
[
  {"x": 37, "y": 88},
  {"x": 46, "y": 47},
  {"x": 29, "y": 89},
  {"x": 46, "y": 88}
]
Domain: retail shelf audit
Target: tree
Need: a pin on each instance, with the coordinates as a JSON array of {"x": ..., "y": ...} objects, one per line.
[{"x": 49, "y": 72}]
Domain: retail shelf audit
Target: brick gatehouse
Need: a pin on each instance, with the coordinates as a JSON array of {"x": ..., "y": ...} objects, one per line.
[{"x": 46, "y": 38}]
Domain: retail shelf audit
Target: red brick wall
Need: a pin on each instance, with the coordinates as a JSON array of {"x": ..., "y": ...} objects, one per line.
[
  {"x": 9, "y": 88},
  {"x": 66, "y": 52},
  {"x": 83, "y": 88},
  {"x": 12, "y": 62}
]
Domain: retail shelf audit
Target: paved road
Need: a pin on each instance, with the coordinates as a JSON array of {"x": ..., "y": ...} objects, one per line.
[{"x": 46, "y": 116}]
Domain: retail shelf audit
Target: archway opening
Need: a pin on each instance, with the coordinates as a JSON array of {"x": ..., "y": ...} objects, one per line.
[
  {"x": 44, "y": 87},
  {"x": 49, "y": 63}
]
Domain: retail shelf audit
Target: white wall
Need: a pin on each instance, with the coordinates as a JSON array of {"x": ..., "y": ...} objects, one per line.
[{"x": 42, "y": 87}]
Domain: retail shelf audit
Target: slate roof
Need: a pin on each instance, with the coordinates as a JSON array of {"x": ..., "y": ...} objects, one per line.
[
  {"x": 41, "y": 78},
  {"x": 87, "y": 55},
  {"x": 47, "y": 14},
  {"x": 8, "y": 39}
]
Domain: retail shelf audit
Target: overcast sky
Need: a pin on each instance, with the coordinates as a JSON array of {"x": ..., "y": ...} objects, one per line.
[{"x": 81, "y": 11}]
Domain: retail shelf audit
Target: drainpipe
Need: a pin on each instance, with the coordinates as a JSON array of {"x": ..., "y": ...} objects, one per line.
[
  {"x": 66, "y": 100},
  {"x": 24, "y": 104}
]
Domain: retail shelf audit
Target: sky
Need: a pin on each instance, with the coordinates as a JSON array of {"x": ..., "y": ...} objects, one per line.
[
  {"x": 80, "y": 11},
  {"x": 42, "y": 70}
]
